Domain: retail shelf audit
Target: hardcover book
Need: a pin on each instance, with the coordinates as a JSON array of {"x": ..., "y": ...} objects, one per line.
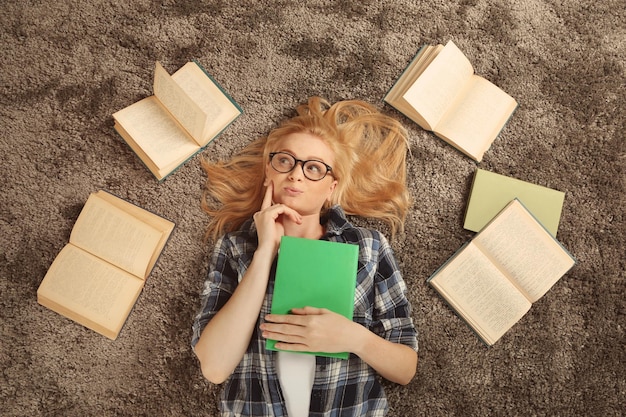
[
  {"x": 491, "y": 192},
  {"x": 97, "y": 277},
  {"x": 493, "y": 280},
  {"x": 440, "y": 92},
  {"x": 315, "y": 273},
  {"x": 187, "y": 111}
]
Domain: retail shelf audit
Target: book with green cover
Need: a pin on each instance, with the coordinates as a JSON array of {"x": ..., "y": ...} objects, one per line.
[
  {"x": 315, "y": 273},
  {"x": 491, "y": 192}
]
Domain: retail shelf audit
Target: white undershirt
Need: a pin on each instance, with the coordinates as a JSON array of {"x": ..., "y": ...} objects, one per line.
[{"x": 296, "y": 372}]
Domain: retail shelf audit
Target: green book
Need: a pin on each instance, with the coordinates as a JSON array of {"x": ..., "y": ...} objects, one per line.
[
  {"x": 315, "y": 273},
  {"x": 491, "y": 192}
]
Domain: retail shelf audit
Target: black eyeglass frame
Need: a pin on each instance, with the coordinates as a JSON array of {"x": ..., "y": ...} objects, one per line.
[{"x": 329, "y": 169}]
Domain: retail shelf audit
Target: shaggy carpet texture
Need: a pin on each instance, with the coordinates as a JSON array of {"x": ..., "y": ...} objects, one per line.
[{"x": 67, "y": 65}]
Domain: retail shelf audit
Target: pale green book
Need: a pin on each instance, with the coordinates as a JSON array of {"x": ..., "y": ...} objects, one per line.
[
  {"x": 491, "y": 192},
  {"x": 315, "y": 273}
]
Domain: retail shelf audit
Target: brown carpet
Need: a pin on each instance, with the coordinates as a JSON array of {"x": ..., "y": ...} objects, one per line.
[{"x": 66, "y": 66}]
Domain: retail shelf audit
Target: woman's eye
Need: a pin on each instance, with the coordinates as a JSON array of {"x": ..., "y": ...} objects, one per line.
[{"x": 314, "y": 167}]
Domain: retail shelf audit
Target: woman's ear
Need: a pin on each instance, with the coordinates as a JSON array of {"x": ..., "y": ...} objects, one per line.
[{"x": 333, "y": 185}]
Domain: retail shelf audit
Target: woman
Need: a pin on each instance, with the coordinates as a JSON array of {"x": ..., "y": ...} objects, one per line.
[{"x": 300, "y": 181}]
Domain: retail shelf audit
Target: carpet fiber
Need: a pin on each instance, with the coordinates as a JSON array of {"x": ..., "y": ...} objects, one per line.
[{"x": 68, "y": 65}]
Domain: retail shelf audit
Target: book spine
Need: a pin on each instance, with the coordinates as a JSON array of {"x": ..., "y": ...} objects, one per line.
[{"x": 406, "y": 68}]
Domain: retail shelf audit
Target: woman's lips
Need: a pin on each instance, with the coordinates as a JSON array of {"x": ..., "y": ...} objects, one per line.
[{"x": 292, "y": 191}]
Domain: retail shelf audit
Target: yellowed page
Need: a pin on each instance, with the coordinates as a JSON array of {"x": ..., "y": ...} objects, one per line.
[
  {"x": 219, "y": 111},
  {"x": 529, "y": 255},
  {"x": 419, "y": 63},
  {"x": 475, "y": 119},
  {"x": 164, "y": 226},
  {"x": 154, "y": 220},
  {"x": 154, "y": 130},
  {"x": 439, "y": 85},
  {"x": 89, "y": 290},
  {"x": 115, "y": 236},
  {"x": 187, "y": 112},
  {"x": 479, "y": 292}
]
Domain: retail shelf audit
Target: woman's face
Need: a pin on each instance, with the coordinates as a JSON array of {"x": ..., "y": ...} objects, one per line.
[{"x": 293, "y": 188}]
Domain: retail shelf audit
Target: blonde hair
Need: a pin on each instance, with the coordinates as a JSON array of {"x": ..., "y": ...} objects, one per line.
[{"x": 370, "y": 166}]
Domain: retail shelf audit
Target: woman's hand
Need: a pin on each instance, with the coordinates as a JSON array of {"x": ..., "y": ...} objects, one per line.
[
  {"x": 220, "y": 349},
  {"x": 311, "y": 329},
  {"x": 269, "y": 220}
]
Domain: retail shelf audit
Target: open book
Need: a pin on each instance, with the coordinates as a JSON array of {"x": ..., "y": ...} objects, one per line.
[
  {"x": 492, "y": 281},
  {"x": 97, "y": 277},
  {"x": 187, "y": 111},
  {"x": 315, "y": 273},
  {"x": 440, "y": 92},
  {"x": 491, "y": 192}
]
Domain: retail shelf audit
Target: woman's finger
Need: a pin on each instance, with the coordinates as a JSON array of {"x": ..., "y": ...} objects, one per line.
[
  {"x": 267, "y": 198},
  {"x": 292, "y": 214},
  {"x": 305, "y": 311}
]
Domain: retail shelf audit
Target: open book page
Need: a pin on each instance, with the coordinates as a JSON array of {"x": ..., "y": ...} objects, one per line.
[
  {"x": 475, "y": 119},
  {"x": 528, "y": 254},
  {"x": 154, "y": 130},
  {"x": 440, "y": 83},
  {"x": 219, "y": 111},
  {"x": 422, "y": 61},
  {"x": 115, "y": 236},
  {"x": 87, "y": 287},
  {"x": 179, "y": 104},
  {"x": 164, "y": 226},
  {"x": 478, "y": 291},
  {"x": 395, "y": 96},
  {"x": 419, "y": 63}
]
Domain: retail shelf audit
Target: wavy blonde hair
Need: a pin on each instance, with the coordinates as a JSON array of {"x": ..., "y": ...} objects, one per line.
[{"x": 370, "y": 166}]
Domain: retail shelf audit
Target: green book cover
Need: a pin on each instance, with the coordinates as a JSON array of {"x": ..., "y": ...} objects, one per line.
[
  {"x": 491, "y": 192},
  {"x": 315, "y": 273}
]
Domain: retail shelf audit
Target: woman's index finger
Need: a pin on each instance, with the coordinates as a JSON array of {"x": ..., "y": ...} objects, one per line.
[{"x": 267, "y": 199}]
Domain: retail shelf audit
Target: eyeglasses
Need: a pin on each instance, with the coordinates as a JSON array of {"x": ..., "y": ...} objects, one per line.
[{"x": 312, "y": 169}]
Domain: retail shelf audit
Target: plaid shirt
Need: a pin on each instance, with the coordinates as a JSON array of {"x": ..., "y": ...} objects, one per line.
[{"x": 341, "y": 387}]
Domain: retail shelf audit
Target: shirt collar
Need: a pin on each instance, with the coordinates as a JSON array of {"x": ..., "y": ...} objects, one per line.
[{"x": 335, "y": 221}]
